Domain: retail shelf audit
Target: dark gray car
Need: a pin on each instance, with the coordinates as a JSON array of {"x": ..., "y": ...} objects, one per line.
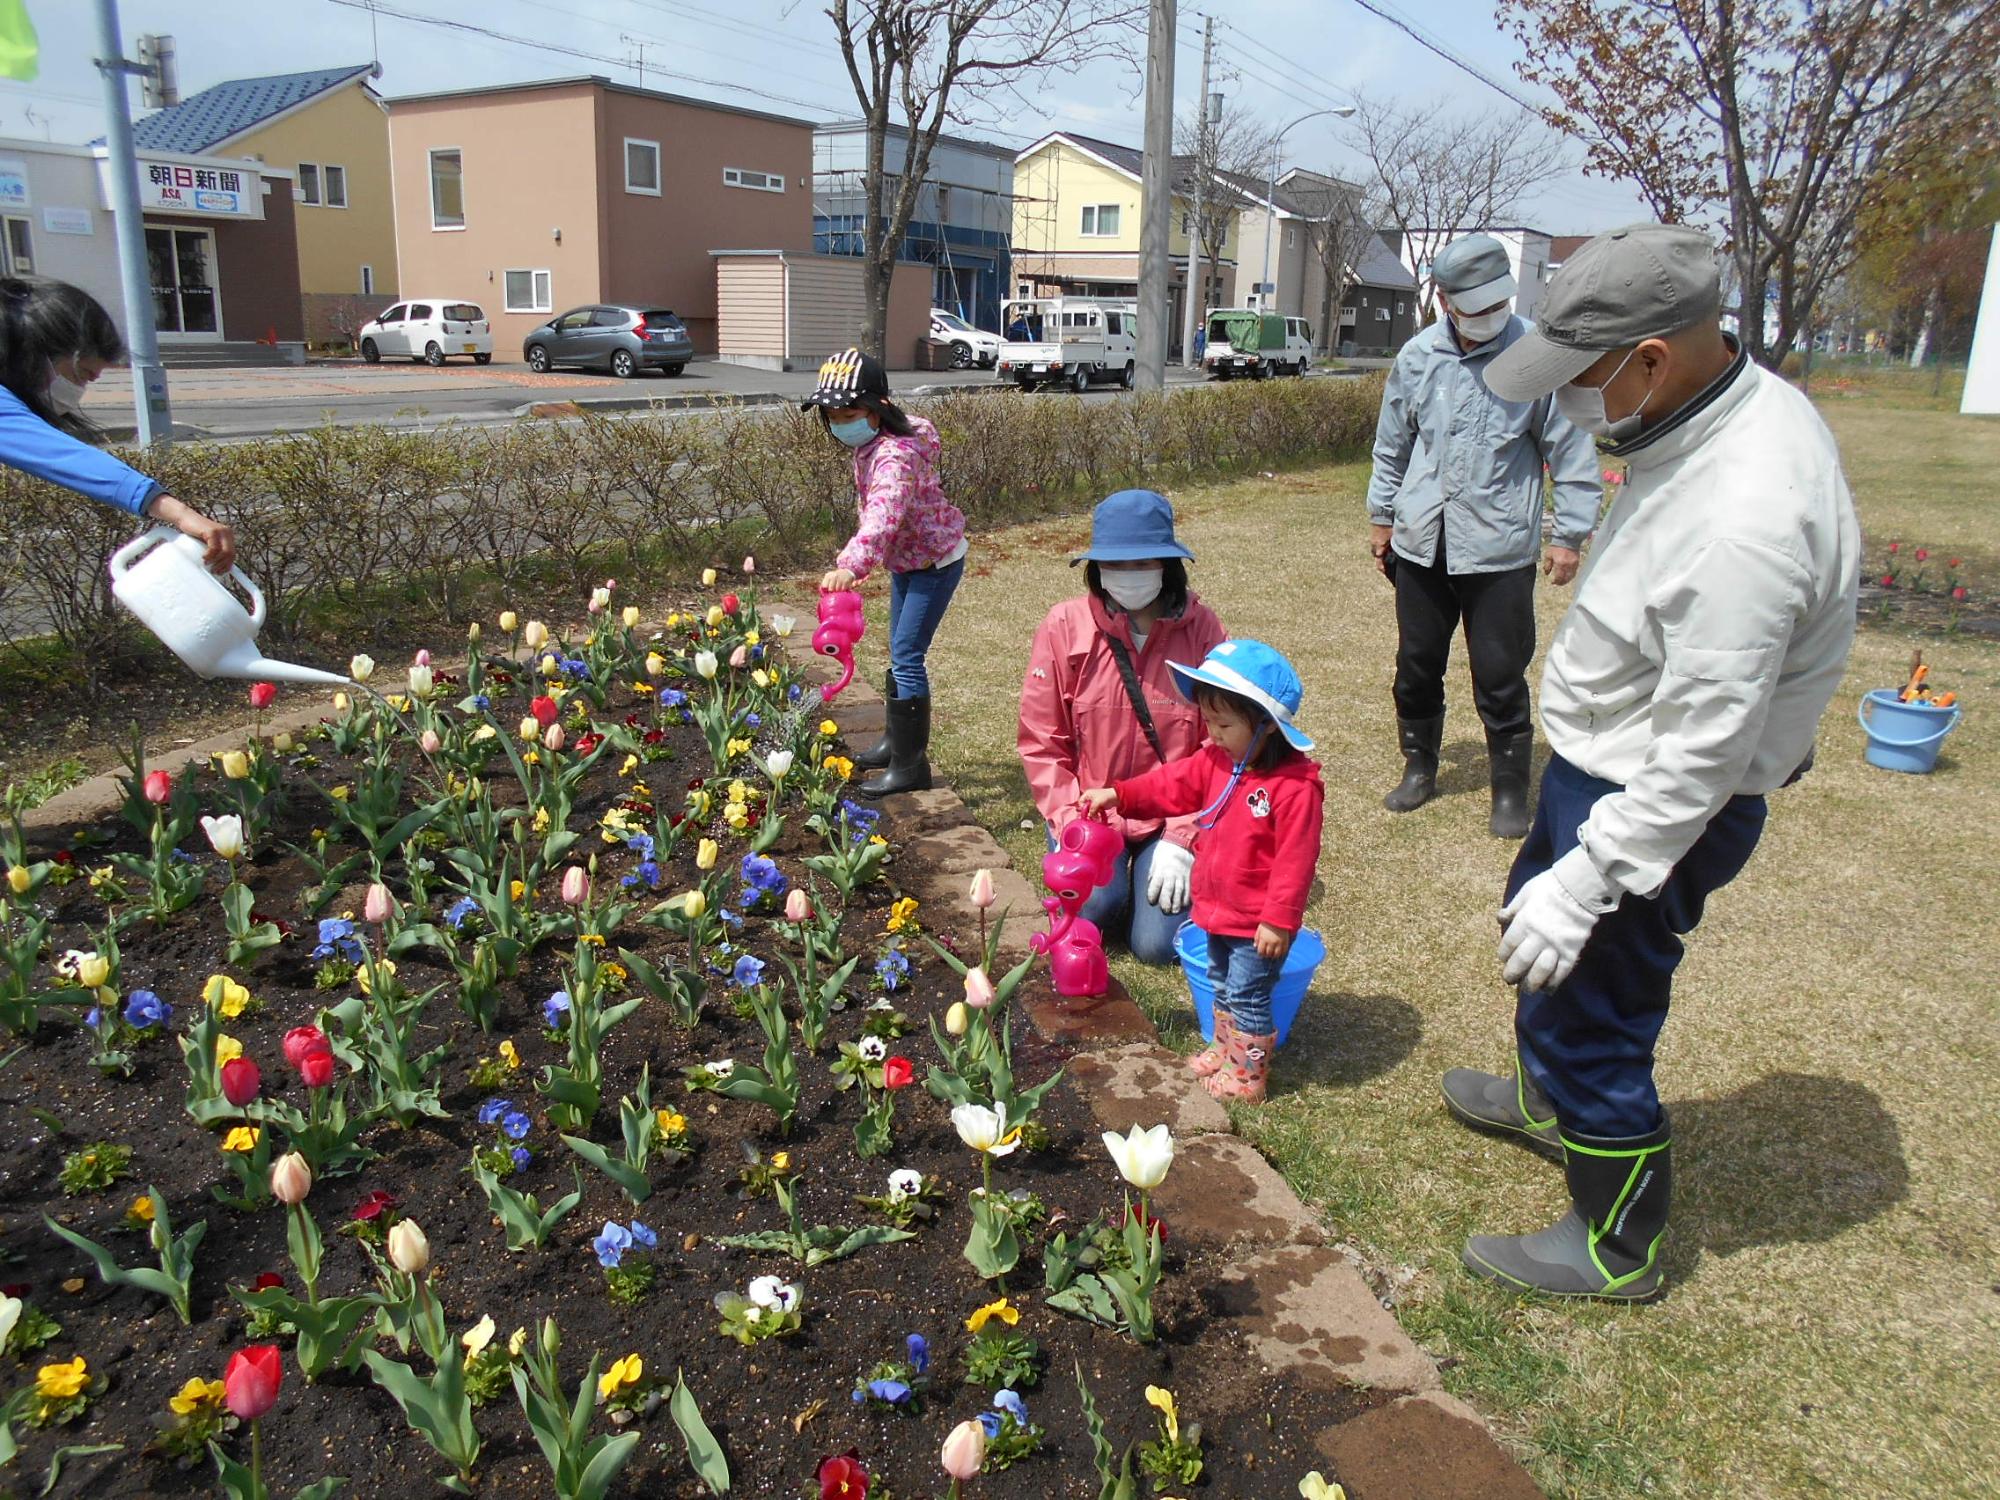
[{"x": 623, "y": 339}]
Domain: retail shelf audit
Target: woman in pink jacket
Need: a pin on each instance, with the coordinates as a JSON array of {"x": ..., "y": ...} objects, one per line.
[
  {"x": 1081, "y": 723},
  {"x": 905, "y": 523}
]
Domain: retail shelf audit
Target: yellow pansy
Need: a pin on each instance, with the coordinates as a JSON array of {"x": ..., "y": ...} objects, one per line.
[
  {"x": 613, "y": 974},
  {"x": 194, "y": 1396},
  {"x": 630, "y": 764},
  {"x": 753, "y": 637},
  {"x": 226, "y": 995},
  {"x": 623, "y": 1374},
  {"x": 241, "y": 1138},
  {"x": 671, "y": 1122},
  {"x": 533, "y": 758},
  {"x": 1316, "y": 1487},
  {"x": 840, "y": 765},
  {"x": 540, "y": 823},
  {"x": 60, "y": 1382},
  {"x": 781, "y": 1161},
  {"x": 738, "y": 792},
  {"x": 902, "y": 914},
  {"x": 518, "y": 890},
  {"x": 361, "y": 975},
  {"x": 828, "y": 728},
  {"x": 341, "y": 793},
  {"x": 1004, "y": 1310},
  {"x": 510, "y": 1055},
  {"x": 141, "y": 1211},
  {"x": 1163, "y": 1398},
  {"x": 227, "y": 1049},
  {"x": 738, "y": 747}
]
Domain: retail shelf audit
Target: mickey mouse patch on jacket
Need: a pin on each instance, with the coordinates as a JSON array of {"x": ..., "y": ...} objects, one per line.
[{"x": 1260, "y": 803}]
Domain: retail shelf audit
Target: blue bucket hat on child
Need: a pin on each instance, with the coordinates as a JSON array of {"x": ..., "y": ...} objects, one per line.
[
  {"x": 1257, "y": 672},
  {"x": 1132, "y": 526}
]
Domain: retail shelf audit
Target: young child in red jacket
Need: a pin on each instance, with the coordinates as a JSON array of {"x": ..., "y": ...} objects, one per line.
[{"x": 1258, "y": 800}]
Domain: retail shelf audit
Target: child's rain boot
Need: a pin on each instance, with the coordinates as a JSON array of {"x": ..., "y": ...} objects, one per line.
[
  {"x": 1208, "y": 1062},
  {"x": 1246, "y": 1067}
]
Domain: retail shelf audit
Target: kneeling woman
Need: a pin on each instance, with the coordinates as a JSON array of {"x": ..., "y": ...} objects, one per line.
[{"x": 1100, "y": 705}]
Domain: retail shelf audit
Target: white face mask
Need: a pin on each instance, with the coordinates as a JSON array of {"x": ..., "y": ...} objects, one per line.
[
  {"x": 1477, "y": 329},
  {"x": 1584, "y": 406},
  {"x": 1132, "y": 588},
  {"x": 65, "y": 395}
]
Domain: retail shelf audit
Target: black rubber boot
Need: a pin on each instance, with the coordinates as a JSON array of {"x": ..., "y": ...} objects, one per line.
[
  {"x": 1608, "y": 1244},
  {"x": 876, "y": 755},
  {"x": 909, "y": 741},
  {"x": 1509, "y": 756},
  {"x": 1420, "y": 740},
  {"x": 1512, "y": 1107}
]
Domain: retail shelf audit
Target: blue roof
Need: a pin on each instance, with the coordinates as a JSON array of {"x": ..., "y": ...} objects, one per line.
[{"x": 202, "y": 121}]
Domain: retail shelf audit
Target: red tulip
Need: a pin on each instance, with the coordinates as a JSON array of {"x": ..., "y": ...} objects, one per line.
[
  {"x": 374, "y": 1205},
  {"x": 841, "y": 1477},
  {"x": 730, "y": 604},
  {"x": 241, "y": 1082},
  {"x": 250, "y": 1383},
  {"x": 263, "y": 694},
  {"x": 897, "y": 1073},
  {"x": 588, "y": 741},
  {"x": 301, "y": 1041},
  {"x": 1894, "y": 548},
  {"x": 266, "y": 1280},
  {"x": 1888, "y": 580},
  {"x": 1923, "y": 554},
  {"x": 1959, "y": 593},
  {"x": 545, "y": 711},
  {"x": 316, "y": 1069},
  {"x": 159, "y": 787},
  {"x": 1952, "y": 563}
]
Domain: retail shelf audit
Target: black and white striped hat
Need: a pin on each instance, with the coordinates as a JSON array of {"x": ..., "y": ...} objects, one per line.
[{"x": 850, "y": 378}]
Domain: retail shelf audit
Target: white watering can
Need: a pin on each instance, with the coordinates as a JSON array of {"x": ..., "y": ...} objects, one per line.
[{"x": 162, "y": 579}]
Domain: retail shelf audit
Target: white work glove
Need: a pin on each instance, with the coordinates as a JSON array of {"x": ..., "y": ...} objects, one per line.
[
  {"x": 1550, "y": 919},
  {"x": 1167, "y": 885}
]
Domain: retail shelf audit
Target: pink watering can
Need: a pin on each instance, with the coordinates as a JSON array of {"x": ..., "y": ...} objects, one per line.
[
  {"x": 161, "y": 578},
  {"x": 841, "y": 626},
  {"x": 1097, "y": 842},
  {"x": 1074, "y": 946}
]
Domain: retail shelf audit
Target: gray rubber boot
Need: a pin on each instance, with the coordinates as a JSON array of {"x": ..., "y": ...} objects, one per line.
[
  {"x": 1509, "y": 756},
  {"x": 1420, "y": 740},
  {"x": 1608, "y": 1244},
  {"x": 1512, "y": 1107},
  {"x": 909, "y": 767},
  {"x": 876, "y": 756}
]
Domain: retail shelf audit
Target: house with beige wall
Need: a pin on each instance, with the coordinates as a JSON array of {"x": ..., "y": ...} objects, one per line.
[
  {"x": 534, "y": 198},
  {"x": 328, "y": 129}
]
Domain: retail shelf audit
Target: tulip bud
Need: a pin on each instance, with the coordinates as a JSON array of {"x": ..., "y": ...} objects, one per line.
[
  {"x": 422, "y": 658},
  {"x": 301, "y": 1040},
  {"x": 957, "y": 1019},
  {"x": 705, "y": 665},
  {"x": 472, "y": 632},
  {"x": 630, "y": 615},
  {"x": 430, "y": 742},
  {"x": 731, "y": 604},
  {"x": 361, "y": 667},
  {"x": 534, "y": 635},
  {"x": 18, "y": 879},
  {"x": 964, "y": 1451},
  {"x": 509, "y": 621},
  {"x": 705, "y": 854},
  {"x": 282, "y": 743},
  {"x": 251, "y": 1380},
  {"x": 420, "y": 681},
  {"x": 781, "y": 625},
  {"x": 600, "y": 599},
  {"x": 94, "y": 972},
  {"x": 978, "y": 988},
  {"x": 750, "y": 564},
  {"x": 530, "y": 730},
  {"x": 708, "y": 578},
  {"x": 694, "y": 906},
  {"x": 235, "y": 764},
  {"x": 241, "y": 1081},
  {"x": 656, "y": 664},
  {"x": 575, "y": 886},
  {"x": 552, "y": 737},
  {"x": 291, "y": 1178},
  {"x": 376, "y": 906},
  {"x": 798, "y": 906},
  {"x": 550, "y": 666},
  {"x": 316, "y": 1069},
  {"x": 740, "y": 657},
  {"x": 982, "y": 894},
  {"x": 340, "y": 703},
  {"x": 159, "y": 787},
  {"x": 263, "y": 694},
  {"x": 409, "y": 1251},
  {"x": 714, "y": 616}
]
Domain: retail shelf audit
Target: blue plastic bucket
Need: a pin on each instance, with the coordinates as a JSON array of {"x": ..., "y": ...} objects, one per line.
[
  {"x": 1191, "y": 943},
  {"x": 1904, "y": 736}
]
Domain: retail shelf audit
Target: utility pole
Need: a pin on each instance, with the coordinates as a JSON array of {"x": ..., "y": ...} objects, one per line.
[
  {"x": 1156, "y": 205},
  {"x": 1197, "y": 280},
  {"x": 149, "y": 380}
]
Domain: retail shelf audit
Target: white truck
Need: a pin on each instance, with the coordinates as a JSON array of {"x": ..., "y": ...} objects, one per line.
[
  {"x": 1068, "y": 341},
  {"x": 1241, "y": 341}
]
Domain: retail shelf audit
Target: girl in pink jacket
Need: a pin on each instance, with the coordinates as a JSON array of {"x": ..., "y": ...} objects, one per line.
[
  {"x": 1080, "y": 723},
  {"x": 906, "y": 524}
]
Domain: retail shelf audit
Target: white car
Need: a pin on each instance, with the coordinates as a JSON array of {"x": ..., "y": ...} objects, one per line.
[
  {"x": 969, "y": 346},
  {"x": 432, "y": 329}
]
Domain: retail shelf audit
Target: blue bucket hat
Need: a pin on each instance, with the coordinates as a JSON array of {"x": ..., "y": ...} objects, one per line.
[
  {"x": 1132, "y": 526},
  {"x": 1257, "y": 672}
]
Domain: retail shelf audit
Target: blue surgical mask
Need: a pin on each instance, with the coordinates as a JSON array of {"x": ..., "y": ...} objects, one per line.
[{"x": 854, "y": 432}]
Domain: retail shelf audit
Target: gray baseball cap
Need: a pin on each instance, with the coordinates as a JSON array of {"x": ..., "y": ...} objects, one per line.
[
  {"x": 1474, "y": 273},
  {"x": 1641, "y": 282}
]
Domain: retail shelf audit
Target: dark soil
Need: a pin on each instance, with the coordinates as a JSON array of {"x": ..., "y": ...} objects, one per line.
[{"x": 777, "y": 1408}]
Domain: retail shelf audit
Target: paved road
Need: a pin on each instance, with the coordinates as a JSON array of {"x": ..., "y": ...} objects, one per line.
[{"x": 239, "y": 403}]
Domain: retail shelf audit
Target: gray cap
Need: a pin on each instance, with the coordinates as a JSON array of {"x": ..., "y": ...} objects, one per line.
[
  {"x": 1474, "y": 273},
  {"x": 1641, "y": 282}
]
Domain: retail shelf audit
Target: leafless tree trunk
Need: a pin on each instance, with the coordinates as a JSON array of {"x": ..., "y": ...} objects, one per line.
[
  {"x": 922, "y": 63},
  {"x": 1222, "y": 170},
  {"x": 1340, "y": 223}
]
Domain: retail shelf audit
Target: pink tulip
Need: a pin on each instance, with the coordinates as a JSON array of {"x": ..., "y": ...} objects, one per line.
[
  {"x": 964, "y": 1451},
  {"x": 575, "y": 885},
  {"x": 159, "y": 787},
  {"x": 423, "y": 659},
  {"x": 979, "y": 990},
  {"x": 982, "y": 892},
  {"x": 250, "y": 1383},
  {"x": 740, "y": 657},
  {"x": 749, "y": 564},
  {"x": 263, "y": 694},
  {"x": 376, "y": 906},
  {"x": 798, "y": 907},
  {"x": 430, "y": 741},
  {"x": 552, "y": 737}
]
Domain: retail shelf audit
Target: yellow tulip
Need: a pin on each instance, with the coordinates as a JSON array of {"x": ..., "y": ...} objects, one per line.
[
  {"x": 509, "y": 620},
  {"x": 655, "y": 664},
  {"x": 340, "y": 703},
  {"x": 708, "y": 578},
  {"x": 235, "y": 764},
  {"x": 761, "y": 678},
  {"x": 630, "y": 616},
  {"x": 694, "y": 906},
  {"x": 534, "y": 635},
  {"x": 18, "y": 880},
  {"x": 93, "y": 972},
  {"x": 530, "y": 729},
  {"x": 714, "y": 617},
  {"x": 705, "y": 855}
]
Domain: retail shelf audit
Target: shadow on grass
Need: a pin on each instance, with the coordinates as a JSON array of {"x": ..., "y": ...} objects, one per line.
[
  {"x": 1793, "y": 1158},
  {"x": 1339, "y": 1041}
]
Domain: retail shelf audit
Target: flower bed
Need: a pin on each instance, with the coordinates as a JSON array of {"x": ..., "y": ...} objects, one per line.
[{"x": 576, "y": 995}]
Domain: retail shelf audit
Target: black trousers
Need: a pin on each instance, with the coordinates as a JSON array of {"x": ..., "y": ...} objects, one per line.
[{"x": 1499, "y": 614}]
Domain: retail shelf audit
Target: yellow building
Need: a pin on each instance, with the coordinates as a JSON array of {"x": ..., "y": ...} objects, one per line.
[
  {"x": 1076, "y": 225},
  {"x": 328, "y": 128}
]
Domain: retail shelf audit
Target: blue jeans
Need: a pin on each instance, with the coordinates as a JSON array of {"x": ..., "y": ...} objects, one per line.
[
  {"x": 1119, "y": 907},
  {"x": 1243, "y": 981},
  {"x": 916, "y": 604},
  {"x": 1588, "y": 1043}
]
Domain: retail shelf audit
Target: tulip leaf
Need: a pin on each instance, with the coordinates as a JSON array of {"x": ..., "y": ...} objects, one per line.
[
  {"x": 75, "y": 1450},
  {"x": 704, "y": 1452},
  {"x": 636, "y": 1184}
]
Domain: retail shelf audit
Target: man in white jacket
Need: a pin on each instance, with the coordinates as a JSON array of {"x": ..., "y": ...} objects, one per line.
[{"x": 1711, "y": 624}]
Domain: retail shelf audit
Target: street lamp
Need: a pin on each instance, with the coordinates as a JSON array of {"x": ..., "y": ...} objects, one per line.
[{"x": 1339, "y": 111}]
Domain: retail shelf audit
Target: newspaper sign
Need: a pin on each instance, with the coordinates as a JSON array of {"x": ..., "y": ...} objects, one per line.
[{"x": 176, "y": 187}]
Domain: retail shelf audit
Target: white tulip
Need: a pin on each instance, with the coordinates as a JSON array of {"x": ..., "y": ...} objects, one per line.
[
  {"x": 478, "y": 1336},
  {"x": 779, "y": 766},
  {"x": 10, "y": 1314},
  {"x": 409, "y": 1251},
  {"x": 1142, "y": 1156},
  {"x": 361, "y": 667},
  {"x": 534, "y": 635},
  {"x": 420, "y": 681},
  {"x": 979, "y": 1128},
  {"x": 705, "y": 665},
  {"x": 781, "y": 625},
  {"x": 600, "y": 600},
  {"x": 225, "y": 835}
]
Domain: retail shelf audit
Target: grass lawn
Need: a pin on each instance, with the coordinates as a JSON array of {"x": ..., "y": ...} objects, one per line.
[{"x": 1832, "y": 1064}]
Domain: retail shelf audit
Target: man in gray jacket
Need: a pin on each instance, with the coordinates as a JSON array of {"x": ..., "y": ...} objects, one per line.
[{"x": 1456, "y": 507}]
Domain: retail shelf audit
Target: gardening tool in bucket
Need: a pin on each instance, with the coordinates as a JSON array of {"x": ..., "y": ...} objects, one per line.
[
  {"x": 161, "y": 578},
  {"x": 1294, "y": 979},
  {"x": 1905, "y": 736}
]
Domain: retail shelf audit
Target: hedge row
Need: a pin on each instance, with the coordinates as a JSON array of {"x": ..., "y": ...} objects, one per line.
[{"x": 327, "y": 515}]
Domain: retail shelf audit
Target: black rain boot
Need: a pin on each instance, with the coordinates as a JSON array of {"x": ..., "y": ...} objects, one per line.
[
  {"x": 1420, "y": 739},
  {"x": 876, "y": 755},
  {"x": 1512, "y": 1107},
  {"x": 1608, "y": 1244},
  {"x": 909, "y": 740},
  {"x": 1509, "y": 756}
]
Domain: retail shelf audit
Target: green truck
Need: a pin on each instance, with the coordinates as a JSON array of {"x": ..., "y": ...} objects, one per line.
[{"x": 1244, "y": 341}]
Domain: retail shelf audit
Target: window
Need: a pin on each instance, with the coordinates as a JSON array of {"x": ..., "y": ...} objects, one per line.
[
  {"x": 570, "y": 322},
  {"x": 1100, "y": 220},
  {"x": 336, "y": 186},
  {"x": 20, "y": 248},
  {"x": 464, "y": 312},
  {"x": 1399, "y": 307},
  {"x": 321, "y": 186},
  {"x": 1114, "y": 323},
  {"x": 393, "y": 315},
  {"x": 367, "y": 281},
  {"x": 1291, "y": 235},
  {"x": 642, "y": 166},
  {"x": 763, "y": 182},
  {"x": 448, "y": 193},
  {"x": 308, "y": 183},
  {"x": 1382, "y": 314},
  {"x": 528, "y": 291},
  {"x": 421, "y": 312},
  {"x": 610, "y": 317}
]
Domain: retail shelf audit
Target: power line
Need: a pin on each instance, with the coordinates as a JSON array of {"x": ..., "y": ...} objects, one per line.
[{"x": 1410, "y": 29}]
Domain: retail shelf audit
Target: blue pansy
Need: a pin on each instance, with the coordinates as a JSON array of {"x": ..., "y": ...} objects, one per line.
[
  {"x": 892, "y": 1391},
  {"x": 493, "y": 1109},
  {"x": 94, "y": 1017},
  {"x": 642, "y": 843},
  {"x": 748, "y": 973},
  {"x": 555, "y": 1010},
  {"x": 337, "y": 940},
  {"x": 990, "y": 1420},
  {"x": 611, "y": 1244},
  {"x": 892, "y": 968},
  {"x": 145, "y": 1010},
  {"x": 729, "y": 918},
  {"x": 753, "y": 721},
  {"x": 514, "y": 1125},
  {"x": 794, "y": 693},
  {"x": 459, "y": 910},
  {"x": 481, "y": 702},
  {"x": 920, "y": 1353},
  {"x": 643, "y": 1237},
  {"x": 1011, "y": 1403},
  {"x": 672, "y": 697},
  {"x": 521, "y": 1156}
]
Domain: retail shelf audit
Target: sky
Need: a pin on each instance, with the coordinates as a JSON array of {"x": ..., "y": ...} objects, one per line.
[{"x": 1279, "y": 59}]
